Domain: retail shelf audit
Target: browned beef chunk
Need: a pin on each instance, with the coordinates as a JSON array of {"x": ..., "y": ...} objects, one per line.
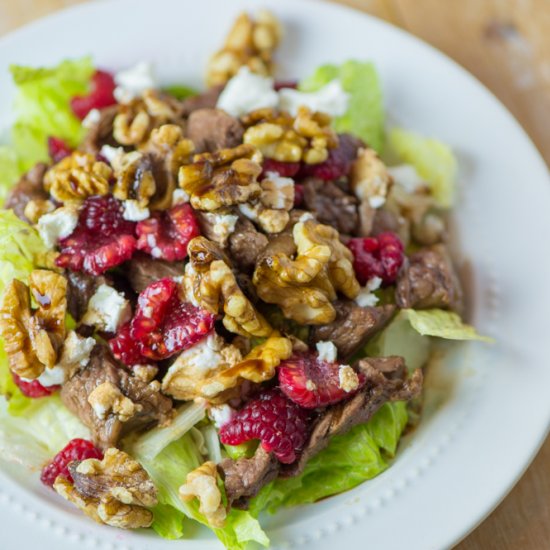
[
  {"x": 213, "y": 129},
  {"x": 80, "y": 289},
  {"x": 29, "y": 188},
  {"x": 246, "y": 244},
  {"x": 331, "y": 205},
  {"x": 245, "y": 477},
  {"x": 353, "y": 326},
  {"x": 386, "y": 380},
  {"x": 144, "y": 270},
  {"x": 428, "y": 280},
  {"x": 151, "y": 406},
  {"x": 206, "y": 100},
  {"x": 100, "y": 133},
  {"x": 385, "y": 221}
]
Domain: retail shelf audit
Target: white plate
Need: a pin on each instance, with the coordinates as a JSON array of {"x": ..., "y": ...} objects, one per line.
[{"x": 488, "y": 407}]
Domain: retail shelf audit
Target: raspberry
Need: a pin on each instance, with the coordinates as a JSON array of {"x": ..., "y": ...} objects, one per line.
[
  {"x": 380, "y": 256},
  {"x": 102, "y": 239},
  {"x": 34, "y": 388},
  {"x": 164, "y": 325},
  {"x": 338, "y": 163},
  {"x": 280, "y": 84},
  {"x": 311, "y": 382},
  {"x": 298, "y": 195},
  {"x": 100, "y": 96},
  {"x": 126, "y": 349},
  {"x": 284, "y": 169},
  {"x": 281, "y": 425},
  {"x": 76, "y": 449},
  {"x": 166, "y": 234},
  {"x": 58, "y": 149}
]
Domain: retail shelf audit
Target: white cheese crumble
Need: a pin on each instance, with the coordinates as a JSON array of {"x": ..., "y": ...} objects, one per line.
[
  {"x": 407, "y": 177},
  {"x": 377, "y": 201},
  {"x": 246, "y": 92},
  {"x": 249, "y": 211},
  {"x": 221, "y": 415},
  {"x": 330, "y": 99},
  {"x": 204, "y": 356},
  {"x": 107, "y": 309},
  {"x": 57, "y": 225},
  {"x": 111, "y": 153},
  {"x": 347, "y": 378},
  {"x": 179, "y": 196},
  {"x": 305, "y": 217},
  {"x": 366, "y": 298},
  {"x": 327, "y": 351},
  {"x": 133, "y": 212},
  {"x": 223, "y": 225},
  {"x": 132, "y": 82},
  {"x": 93, "y": 117},
  {"x": 52, "y": 377},
  {"x": 280, "y": 191}
]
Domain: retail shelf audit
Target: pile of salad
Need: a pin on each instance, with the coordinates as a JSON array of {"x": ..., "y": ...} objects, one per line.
[{"x": 216, "y": 304}]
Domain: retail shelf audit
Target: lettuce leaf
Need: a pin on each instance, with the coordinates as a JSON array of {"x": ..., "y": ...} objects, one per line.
[
  {"x": 180, "y": 91},
  {"x": 9, "y": 171},
  {"x": 42, "y": 106},
  {"x": 348, "y": 461},
  {"x": 169, "y": 470},
  {"x": 442, "y": 324},
  {"x": 365, "y": 114},
  {"x": 433, "y": 160}
]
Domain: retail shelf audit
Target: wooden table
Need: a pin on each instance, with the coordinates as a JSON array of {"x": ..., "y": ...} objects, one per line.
[{"x": 506, "y": 44}]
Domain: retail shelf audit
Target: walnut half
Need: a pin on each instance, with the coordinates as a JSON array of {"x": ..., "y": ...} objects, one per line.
[
  {"x": 116, "y": 491},
  {"x": 33, "y": 337}
]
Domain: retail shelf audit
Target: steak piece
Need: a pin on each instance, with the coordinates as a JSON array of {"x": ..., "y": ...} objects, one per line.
[
  {"x": 81, "y": 287},
  {"x": 206, "y": 100},
  {"x": 30, "y": 187},
  {"x": 144, "y": 270},
  {"x": 386, "y": 380},
  {"x": 151, "y": 406},
  {"x": 246, "y": 476},
  {"x": 213, "y": 129},
  {"x": 246, "y": 244},
  {"x": 428, "y": 280},
  {"x": 331, "y": 205},
  {"x": 100, "y": 133},
  {"x": 353, "y": 326}
]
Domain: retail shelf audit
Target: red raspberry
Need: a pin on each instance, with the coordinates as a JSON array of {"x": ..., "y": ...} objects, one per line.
[
  {"x": 101, "y": 95},
  {"x": 298, "y": 195},
  {"x": 34, "y": 388},
  {"x": 311, "y": 382},
  {"x": 164, "y": 324},
  {"x": 281, "y": 425},
  {"x": 338, "y": 163},
  {"x": 166, "y": 234},
  {"x": 284, "y": 169},
  {"x": 76, "y": 449},
  {"x": 280, "y": 84},
  {"x": 58, "y": 149},
  {"x": 102, "y": 239},
  {"x": 380, "y": 256},
  {"x": 126, "y": 349}
]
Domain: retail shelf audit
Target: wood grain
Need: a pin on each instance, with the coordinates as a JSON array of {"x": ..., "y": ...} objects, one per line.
[{"x": 506, "y": 44}]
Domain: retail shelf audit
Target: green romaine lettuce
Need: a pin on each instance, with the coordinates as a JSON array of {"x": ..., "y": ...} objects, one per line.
[
  {"x": 433, "y": 160},
  {"x": 42, "y": 106},
  {"x": 348, "y": 461},
  {"x": 365, "y": 114},
  {"x": 9, "y": 170}
]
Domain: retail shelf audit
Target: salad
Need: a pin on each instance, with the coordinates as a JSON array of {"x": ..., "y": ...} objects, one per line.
[{"x": 216, "y": 304}]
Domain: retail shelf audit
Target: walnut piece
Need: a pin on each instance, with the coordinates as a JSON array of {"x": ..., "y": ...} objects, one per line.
[
  {"x": 249, "y": 43},
  {"x": 303, "y": 277},
  {"x": 306, "y": 137},
  {"x": 116, "y": 490},
  {"x": 224, "y": 178},
  {"x": 369, "y": 178},
  {"x": 77, "y": 177},
  {"x": 134, "y": 178},
  {"x": 33, "y": 337},
  {"x": 36, "y": 208},
  {"x": 210, "y": 283}
]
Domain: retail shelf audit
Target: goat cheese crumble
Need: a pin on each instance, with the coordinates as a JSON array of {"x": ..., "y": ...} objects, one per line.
[
  {"x": 327, "y": 351},
  {"x": 133, "y": 212},
  {"x": 330, "y": 99},
  {"x": 107, "y": 309},
  {"x": 132, "y": 82},
  {"x": 57, "y": 225},
  {"x": 366, "y": 296}
]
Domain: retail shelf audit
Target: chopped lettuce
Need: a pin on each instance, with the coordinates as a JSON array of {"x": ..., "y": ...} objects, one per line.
[
  {"x": 433, "y": 160},
  {"x": 180, "y": 91},
  {"x": 42, "y": 106},
  {"x": 365, "y": 114},
  {"x": 348, "y": 461},
  {"x": 43, "y": 429},
  {"x": 442, "y": 324},
  {"x": 169, "y": 470},
  {"x": 9, "y": 170}
]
